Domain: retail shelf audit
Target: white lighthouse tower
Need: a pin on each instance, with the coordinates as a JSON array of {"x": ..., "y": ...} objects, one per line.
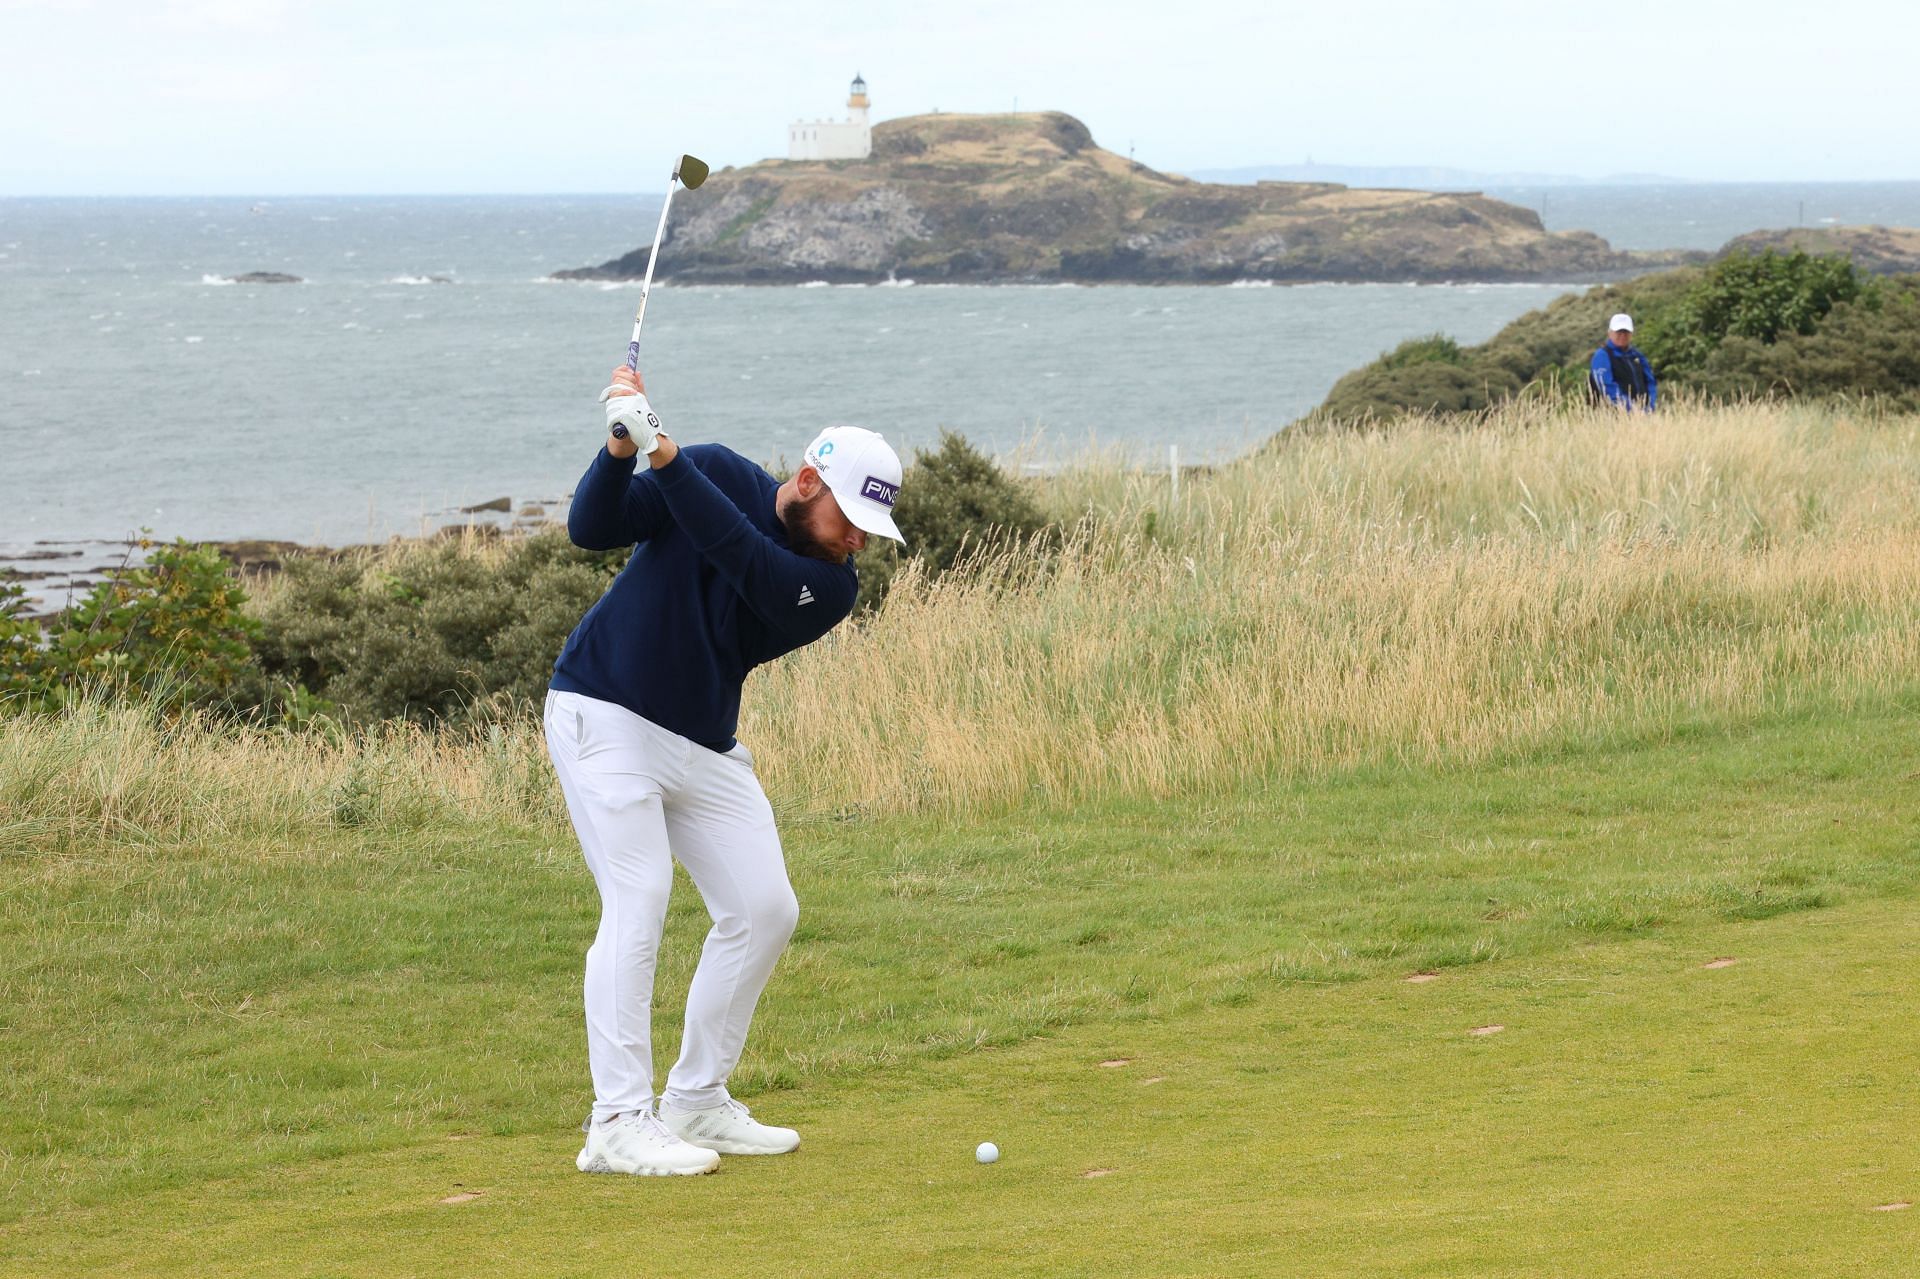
[{"x": 849, "y": 139}]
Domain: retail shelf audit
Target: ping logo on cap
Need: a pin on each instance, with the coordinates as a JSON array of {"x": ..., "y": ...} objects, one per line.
[{"x": 880, "y": 491}]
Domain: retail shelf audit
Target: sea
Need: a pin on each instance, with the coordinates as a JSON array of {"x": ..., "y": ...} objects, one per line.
[{"x": 426, "y": 362}]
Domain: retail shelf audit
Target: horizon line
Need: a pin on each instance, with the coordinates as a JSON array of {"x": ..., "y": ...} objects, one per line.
[{"x": 1577, "y": 184}]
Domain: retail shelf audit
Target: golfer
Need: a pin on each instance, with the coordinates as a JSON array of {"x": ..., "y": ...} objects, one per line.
[
  {"x": 1619, "y": 373},
  {"x": 730, "y": 569}
]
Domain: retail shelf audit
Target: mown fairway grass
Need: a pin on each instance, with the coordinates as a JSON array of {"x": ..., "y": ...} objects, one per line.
[{"x": 280, "y": 1058}]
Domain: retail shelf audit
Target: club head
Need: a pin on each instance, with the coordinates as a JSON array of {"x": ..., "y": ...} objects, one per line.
[{"x": 691, "y": 171}]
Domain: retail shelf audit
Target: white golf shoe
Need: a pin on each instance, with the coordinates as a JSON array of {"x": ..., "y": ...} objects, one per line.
[
  {"x": 637, "y": 1144},
  {"x": 728, "y": 1129}
]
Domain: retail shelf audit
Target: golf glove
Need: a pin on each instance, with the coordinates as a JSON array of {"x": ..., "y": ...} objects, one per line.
[{"x": 631, "y": 417}]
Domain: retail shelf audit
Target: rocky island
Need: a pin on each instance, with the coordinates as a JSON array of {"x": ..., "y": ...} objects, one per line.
[{"x": 1029, "y": 198}]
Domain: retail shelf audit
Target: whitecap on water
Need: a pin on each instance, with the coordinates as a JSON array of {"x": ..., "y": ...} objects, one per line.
[
  {"x": 1251, "y": 284},
  {"x": 193, "y": 338},
  {"x": 216, "y": 279},
  {"x": 814, "y": 284}
]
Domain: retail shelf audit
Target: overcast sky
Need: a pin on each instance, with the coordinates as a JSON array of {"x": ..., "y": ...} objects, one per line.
[{"x": 268, "y": 97}]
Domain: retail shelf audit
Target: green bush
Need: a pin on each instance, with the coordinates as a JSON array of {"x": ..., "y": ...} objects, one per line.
[
  {"x": 1860, "y": 349},
  {"x": 1758, "y": 296},
  {"x": 1435, "y": 348},
  {"x": 172, "y": 632},
  {"x": 953, "y": 501},
  {"x": 436, "y": 631},
  {"x": 23, "y": 657},
  {"x": 1386, "y": 390}
]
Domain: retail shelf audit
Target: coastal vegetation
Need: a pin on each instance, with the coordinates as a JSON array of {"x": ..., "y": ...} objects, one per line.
[
  {"x": 1601, "y": 728},
  {"x": 1761, "y": 324},
  {"x": 1443, "y": 593}
]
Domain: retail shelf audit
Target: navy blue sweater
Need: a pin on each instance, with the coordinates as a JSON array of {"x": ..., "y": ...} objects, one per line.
[{"x": 711, "y": 592}]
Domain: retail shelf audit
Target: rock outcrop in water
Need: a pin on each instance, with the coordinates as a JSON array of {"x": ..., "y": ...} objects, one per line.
[{"x": 1029, "y": 197}]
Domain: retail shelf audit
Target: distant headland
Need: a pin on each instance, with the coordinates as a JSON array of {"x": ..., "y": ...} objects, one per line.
[{"x": 1029, "y": 197}]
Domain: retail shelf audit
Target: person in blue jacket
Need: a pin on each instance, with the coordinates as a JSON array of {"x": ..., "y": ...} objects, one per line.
[
  {"x": 1620, "y": 374},
  {"x": 730, "y": 569}
]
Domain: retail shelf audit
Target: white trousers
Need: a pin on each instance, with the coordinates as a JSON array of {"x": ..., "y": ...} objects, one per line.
[{"x": 640, "y": 796}]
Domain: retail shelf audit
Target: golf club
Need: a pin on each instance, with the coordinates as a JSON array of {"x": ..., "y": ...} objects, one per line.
[{"x": 689, "y": 172}]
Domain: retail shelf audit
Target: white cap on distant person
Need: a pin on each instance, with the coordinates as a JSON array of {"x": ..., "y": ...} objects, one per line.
[
  {"x": 863, "y": 473},
  {"x": 1620, "y": 321}
]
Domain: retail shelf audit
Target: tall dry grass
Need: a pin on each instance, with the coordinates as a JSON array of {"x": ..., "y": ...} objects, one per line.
[
  {"x": 1432, "y": 594},
  {"x": 1429, "y": 594}
]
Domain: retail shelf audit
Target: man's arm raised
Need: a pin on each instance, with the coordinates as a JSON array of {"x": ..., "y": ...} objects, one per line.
[
  {"x": 799, "y": 596},
  {"x": 612, "y": 507}
]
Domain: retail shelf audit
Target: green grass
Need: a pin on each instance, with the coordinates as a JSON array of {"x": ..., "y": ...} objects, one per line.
[{"x": 272, "y": 1045}]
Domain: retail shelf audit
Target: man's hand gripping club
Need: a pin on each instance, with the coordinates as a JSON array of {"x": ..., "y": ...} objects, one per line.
[{"x": 632, "y": 425}]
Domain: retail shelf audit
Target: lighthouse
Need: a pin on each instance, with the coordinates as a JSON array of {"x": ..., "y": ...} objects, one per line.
[{"x": 849, "y": 139}]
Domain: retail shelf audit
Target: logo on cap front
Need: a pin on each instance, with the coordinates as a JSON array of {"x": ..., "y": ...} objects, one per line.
[{"x": 879, "y": 490}]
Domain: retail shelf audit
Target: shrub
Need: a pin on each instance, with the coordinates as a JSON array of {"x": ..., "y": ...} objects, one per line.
[
  {"x": 953, "y": 501},
  {"x": 1859, "y": 349},
  {"x": 1388, "y": 390},
  {"x": 1435, "y": 348},
  {"x": 172, "y": 631},
  {"x": 1759, "y": 296},
  {"x": 436, "y": 631},
  {"x": 23, "y": 657}
]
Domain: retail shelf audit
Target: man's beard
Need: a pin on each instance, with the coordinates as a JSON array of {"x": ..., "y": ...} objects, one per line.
[{"x": 800, "y": 535}]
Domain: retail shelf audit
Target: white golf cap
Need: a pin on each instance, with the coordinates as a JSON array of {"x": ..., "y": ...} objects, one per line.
[
  {"x": 863, "y": 473},
  {"x": 1620, "y": 321}
]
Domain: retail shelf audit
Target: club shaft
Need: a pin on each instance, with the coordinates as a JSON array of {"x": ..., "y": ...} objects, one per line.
[{"x": 646, "y": 285}]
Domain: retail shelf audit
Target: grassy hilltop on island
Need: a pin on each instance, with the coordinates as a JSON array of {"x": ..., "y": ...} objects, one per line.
[{"x": 987, "y": 198}]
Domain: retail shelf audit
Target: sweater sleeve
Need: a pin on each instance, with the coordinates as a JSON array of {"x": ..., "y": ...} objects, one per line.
[
  {"x": 797, "y": 596},
  {"x": 613, "y": 507},
  {"x": 1653, "y": 386}
]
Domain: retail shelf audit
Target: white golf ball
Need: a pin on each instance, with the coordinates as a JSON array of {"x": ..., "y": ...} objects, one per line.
[{"x": 987, "y": 1152}]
